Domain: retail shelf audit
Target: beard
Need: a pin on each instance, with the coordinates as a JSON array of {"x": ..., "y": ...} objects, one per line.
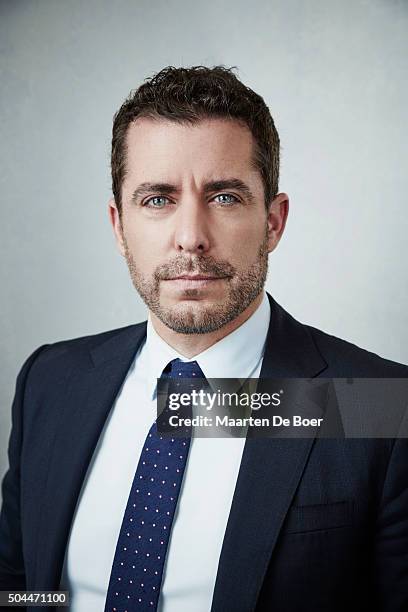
[{"x": 243, "y": 287}]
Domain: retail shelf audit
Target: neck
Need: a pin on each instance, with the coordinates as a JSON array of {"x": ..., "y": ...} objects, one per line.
[{"x": 190, "y": 345}]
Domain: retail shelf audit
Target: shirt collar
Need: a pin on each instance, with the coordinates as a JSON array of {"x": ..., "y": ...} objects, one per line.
[{"x": 235, "y": 356}]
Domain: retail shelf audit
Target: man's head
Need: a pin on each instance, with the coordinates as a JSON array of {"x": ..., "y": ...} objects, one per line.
[
  {"x": 195, "y": 163},
  {"x": 188, "y": 95}
]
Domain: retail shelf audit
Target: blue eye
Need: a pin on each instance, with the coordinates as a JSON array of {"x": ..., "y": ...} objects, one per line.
[
  {"x": 156, "y": 202},
  {"x": 226, "y": 198}
]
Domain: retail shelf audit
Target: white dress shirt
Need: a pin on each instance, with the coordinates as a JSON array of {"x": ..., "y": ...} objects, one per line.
[{"x": 208, "y": 484}]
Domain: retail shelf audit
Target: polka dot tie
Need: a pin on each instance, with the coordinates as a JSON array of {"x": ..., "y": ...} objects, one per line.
[{"x": 137, "y": 568}]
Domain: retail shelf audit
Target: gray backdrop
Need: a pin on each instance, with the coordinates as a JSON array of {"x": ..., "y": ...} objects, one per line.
[{"x": 334, "y": 73}]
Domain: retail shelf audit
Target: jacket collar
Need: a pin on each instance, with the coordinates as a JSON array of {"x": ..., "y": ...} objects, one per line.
[{"x": 289, "y": 350}]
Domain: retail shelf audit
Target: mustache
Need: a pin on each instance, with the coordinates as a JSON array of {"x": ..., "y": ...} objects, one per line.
[{"x": 198, "y": 265}]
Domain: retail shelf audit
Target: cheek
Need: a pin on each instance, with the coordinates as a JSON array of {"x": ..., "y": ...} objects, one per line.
[
  {"x": 243, "y": 242},
  {"x": 144, "y": 245},
  {"x": 143, "y": 258}
]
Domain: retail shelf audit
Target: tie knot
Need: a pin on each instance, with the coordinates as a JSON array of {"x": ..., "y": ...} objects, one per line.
[{"x": 183, "y": 369}]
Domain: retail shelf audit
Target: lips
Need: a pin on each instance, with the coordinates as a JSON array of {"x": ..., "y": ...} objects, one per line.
[{"x": 195, "y": 277}]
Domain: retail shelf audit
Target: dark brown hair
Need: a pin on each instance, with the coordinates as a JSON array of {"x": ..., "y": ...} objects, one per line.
[{"x": 188, "y": 95}]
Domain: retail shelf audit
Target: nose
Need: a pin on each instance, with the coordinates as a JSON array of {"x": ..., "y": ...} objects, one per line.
[{"x": 192, "y": 232}]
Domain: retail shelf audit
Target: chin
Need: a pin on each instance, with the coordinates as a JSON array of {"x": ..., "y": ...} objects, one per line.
[
  {"x": 192, "y": 307},
  {"x": 194, "y": 299},
  {"x": 193, "y": 317}
]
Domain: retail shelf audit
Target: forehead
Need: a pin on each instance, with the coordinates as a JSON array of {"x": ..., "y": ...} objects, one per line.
[{"x": 165, "y": 150}]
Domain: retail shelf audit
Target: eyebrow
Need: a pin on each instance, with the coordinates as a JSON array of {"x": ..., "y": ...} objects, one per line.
[{"x": 209, "y": 187}]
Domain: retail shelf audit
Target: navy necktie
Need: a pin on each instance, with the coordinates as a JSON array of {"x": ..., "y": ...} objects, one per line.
[{"x": 137, "y": 568}]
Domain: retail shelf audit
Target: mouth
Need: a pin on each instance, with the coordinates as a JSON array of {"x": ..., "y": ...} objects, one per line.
[
  {"x": 195, "y": 277},
  {"x": 194, "y": 281}
]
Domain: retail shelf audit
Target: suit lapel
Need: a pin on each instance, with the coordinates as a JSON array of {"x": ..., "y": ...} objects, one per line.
[
  {"x": 87, "y": 403},
  {"x": 269, "y": 474}
]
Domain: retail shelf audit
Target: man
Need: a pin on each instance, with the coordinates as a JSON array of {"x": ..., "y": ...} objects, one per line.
[{"x": 96, "y": 502}]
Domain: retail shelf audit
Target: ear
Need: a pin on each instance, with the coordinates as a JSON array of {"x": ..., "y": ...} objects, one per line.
[
  {"x": 116, "y": 223},
  {"x": 277, "y": 216}
]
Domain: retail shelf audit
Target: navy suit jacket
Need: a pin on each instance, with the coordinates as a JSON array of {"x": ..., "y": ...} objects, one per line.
[{"x": 315, "y": 524}]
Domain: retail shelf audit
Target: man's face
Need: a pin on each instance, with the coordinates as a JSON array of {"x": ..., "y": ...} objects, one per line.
[{"x": 194, "y": 228}]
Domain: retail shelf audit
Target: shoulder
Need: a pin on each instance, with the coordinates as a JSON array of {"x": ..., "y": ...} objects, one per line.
[
  {"x": 345, "y": 359},
  {"x": 315, "y": 350},
  {"x": 83, "y": 351}
]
